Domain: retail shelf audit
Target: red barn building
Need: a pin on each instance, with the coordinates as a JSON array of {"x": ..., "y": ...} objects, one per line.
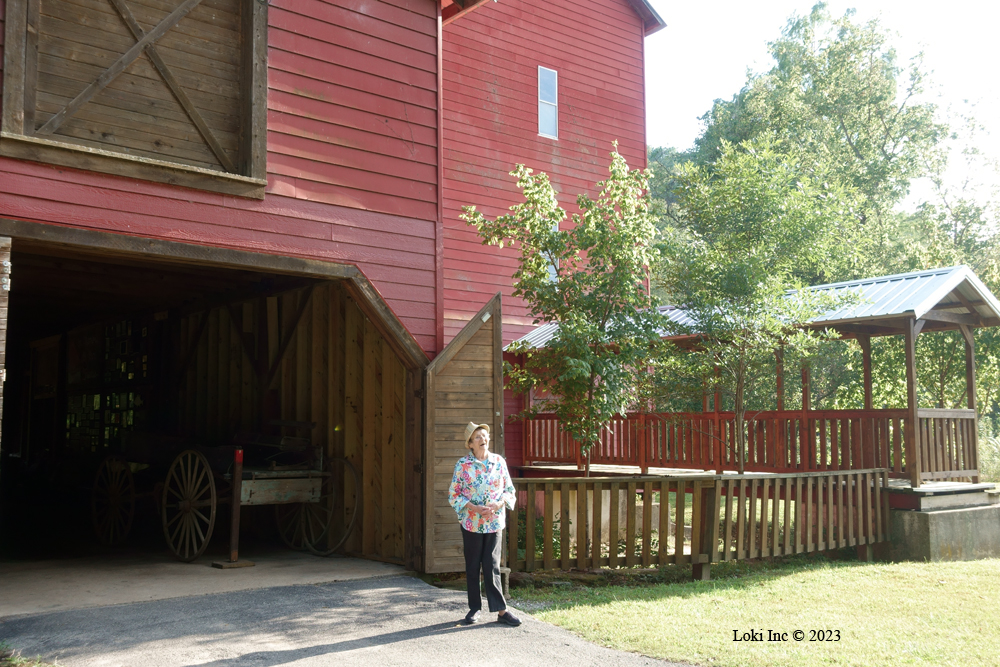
[{"x": 222, "y": 217}]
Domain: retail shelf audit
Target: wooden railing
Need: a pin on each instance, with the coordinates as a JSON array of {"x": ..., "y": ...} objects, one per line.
[
  {"x": 776, "y": 441},
  {"x": 594, "y": 522},
  {"x": 949, "y": 447}
]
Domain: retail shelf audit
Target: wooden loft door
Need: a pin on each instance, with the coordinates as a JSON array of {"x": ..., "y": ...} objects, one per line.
[{"x": 464, "y": 383}]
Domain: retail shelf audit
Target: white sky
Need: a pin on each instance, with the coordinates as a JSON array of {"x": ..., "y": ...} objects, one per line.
[{"x": 707, "y": 47}]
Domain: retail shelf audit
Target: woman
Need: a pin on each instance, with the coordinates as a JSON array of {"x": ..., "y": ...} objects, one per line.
[{"x": 480, "y": 491}]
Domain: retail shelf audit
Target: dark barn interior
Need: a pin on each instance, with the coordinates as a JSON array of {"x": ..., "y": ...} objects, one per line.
[{"x": 116, "y": 364}]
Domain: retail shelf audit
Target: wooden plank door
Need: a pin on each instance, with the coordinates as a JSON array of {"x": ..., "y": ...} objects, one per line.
[{"x": 464, "y": 383}]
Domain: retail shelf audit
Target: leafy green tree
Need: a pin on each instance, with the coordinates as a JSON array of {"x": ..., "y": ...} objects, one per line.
[
  {"x": 742, "y": 228},
  {"x": 840, "y": 101},
  {"x": 586, "y": 271},
  {"x": 838, "y": 92}
]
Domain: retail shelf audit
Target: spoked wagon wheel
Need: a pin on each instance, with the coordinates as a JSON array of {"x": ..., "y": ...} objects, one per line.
[
  {"x": 306, "y": 526},
  {"x": 333, "y": 500},
  {"x": 188, "y": 507},
  {"x": 112, "y": 502}
]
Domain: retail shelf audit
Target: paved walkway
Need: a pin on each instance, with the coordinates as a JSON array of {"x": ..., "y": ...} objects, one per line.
[
  {"x": 31, "y": 587},
  {"x": 395, "y": 620}
]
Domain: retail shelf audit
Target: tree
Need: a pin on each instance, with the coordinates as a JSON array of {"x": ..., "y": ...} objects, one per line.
[
  {"x": 742, "y": 229},
  {"x": 839, "y": 100},
  {"x": 586, "y": 272},
  {"x": 837, "y": 95}
]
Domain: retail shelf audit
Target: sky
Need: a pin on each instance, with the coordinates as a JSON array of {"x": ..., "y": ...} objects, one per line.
[{"x": 708, "y": 46}]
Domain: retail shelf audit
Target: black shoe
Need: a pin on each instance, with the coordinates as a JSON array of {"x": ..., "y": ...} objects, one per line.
[
  {"x": 509, "y": 619},
  {"x": 471, "y": 617}
]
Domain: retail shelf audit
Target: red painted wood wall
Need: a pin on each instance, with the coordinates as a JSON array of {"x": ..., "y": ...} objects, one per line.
[
  {"x": 352, "y": 158},
  {"x": 490, "y": 70},
  {"x": 491, "y": 59}
]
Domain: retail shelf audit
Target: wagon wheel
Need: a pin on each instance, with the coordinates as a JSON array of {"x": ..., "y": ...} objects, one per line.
[
  {"x": 188, "y": 507},
  {"x": 332, "y": 502},
  {"x": 112, "y": 501},
  {"x": 306, "y": 526}
]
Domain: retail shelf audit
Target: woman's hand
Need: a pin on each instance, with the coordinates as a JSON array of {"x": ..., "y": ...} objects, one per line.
[{"x": 486, "y": 511}]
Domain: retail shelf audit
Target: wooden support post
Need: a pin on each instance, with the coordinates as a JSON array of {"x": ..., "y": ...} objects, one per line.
[
  {"x": 234, "y": 530},
  {"x": 234, "y": 523},
  {"x": 970, "y": 366},
  {"x": 720, "y": 448},
  {"x": 806, "y": 458},
  {"x": 866, "y": 363},
  {"x": 913, "y": 462},
  {"x": 970, "y": 393},
  {"x": 643, "y": 443},
  {"x": 779, "y": 364},
  {"x": 708, "y": 528}
]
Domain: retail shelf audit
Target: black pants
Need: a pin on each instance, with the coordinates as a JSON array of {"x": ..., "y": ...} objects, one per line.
[{"x": 482, "y": 553}]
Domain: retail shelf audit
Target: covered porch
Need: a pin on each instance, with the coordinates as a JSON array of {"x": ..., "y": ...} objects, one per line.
[
  {"x": 812, "y": 479},
  {"x": 912, "y": 443}
]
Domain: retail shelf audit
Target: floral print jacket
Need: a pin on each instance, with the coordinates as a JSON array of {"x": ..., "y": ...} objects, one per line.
[{"x": 481, "y": 483}]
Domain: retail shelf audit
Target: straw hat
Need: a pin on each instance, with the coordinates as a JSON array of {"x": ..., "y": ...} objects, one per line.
[{"x": 471, "y": 428}]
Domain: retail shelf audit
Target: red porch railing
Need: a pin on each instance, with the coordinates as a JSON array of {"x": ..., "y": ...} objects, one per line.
[{"x": 777, "y": 441}]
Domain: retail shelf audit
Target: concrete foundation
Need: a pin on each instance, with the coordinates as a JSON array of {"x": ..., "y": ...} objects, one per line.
[{"x": 949, "y": 526}]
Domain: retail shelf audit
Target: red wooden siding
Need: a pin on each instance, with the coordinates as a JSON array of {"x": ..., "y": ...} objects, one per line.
[
  {"x": 352, "y": 158},
  {"x": 491, "y": 59}
]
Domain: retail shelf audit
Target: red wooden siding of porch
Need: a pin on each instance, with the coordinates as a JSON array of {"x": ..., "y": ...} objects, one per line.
[
  {"x": 491, "y": 59},
  {"x": 352, "y": 158}
]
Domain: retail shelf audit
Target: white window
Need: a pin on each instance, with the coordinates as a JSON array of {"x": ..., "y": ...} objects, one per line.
[{"x": 548, "y": 102}]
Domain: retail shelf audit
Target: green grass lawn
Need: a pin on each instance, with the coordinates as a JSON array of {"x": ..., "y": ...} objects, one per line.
[{"x": 887, "y": 614}]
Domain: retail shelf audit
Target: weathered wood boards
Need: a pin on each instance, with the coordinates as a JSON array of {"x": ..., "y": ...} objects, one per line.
[
  {"x": 463, "y": 384},
  {"x": 592, "y": 522},
  {"x": 153, "y": 83},
  {"x": 306, "y": 355}
]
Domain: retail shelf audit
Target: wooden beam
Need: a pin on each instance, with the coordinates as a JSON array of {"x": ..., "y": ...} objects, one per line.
[
  {"x": 188, "y": 254},
  {"x": 918, "y": 327},
  {"x": 15, "y": 43},
  {"x": 192, "y": 348},
  {"x": 458, "y": 9},
  {"x": 498, "y": 416},
  {"x": 395, "y": 333},
  {"x": 54, "y": 151},
  {"x": 117, "y": 67},
  {"x": 779, "y": 366},
  {"x": 970, "y": 367},
  {"x": 175, "y": 87},
  {"x": 459, "y": 341},
  {"x": 868, "y": 329},
  {"x": 31, "y": 65},
  {"x": 955, "y": 318},
  {"x": 286, "y": 339},
  {"x": 866, "y": 364},
  {"x": 966, "y": 302},
  {"x": 913, "y": 462},
  {"x": 253, "y": 120}
]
